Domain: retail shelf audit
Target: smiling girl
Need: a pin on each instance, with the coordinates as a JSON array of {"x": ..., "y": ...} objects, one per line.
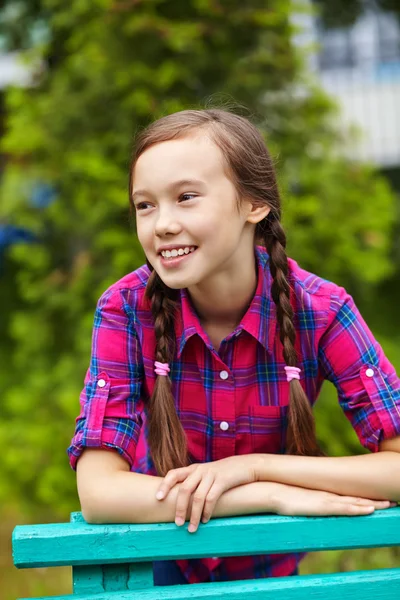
[{"x": 216, "y": 350}]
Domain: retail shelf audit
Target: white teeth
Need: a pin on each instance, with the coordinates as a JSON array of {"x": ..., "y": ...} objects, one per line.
[{"x": 177, "y": 252}]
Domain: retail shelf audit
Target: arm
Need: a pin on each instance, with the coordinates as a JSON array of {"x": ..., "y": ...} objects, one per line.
[
  {"x": 369, "y": 475},
  {"x": 110, "y": 493},
  {"x": 369, "y": 394},
  {"x": 111, "y": 400}
]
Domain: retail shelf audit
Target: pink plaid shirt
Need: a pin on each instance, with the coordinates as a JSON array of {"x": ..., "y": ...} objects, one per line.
[{"x": 232, "y": 401}]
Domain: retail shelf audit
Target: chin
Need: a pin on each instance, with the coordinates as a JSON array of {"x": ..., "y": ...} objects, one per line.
[
  {"x": 174, "y": 284},
  {"x": 166, "y": 282},
  {"x": 175, "y": 287}
]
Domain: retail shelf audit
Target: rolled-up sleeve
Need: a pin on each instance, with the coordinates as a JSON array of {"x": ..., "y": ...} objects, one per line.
[
  {"x": 111, "y": 407},
  {"x": 367, "y": 384}
]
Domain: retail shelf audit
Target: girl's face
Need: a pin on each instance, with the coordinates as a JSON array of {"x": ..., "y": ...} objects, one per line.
[{"x": 183, "y": 198}]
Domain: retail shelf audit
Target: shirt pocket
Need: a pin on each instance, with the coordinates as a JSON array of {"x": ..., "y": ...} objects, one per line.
[{"x": 268, "y": 426}]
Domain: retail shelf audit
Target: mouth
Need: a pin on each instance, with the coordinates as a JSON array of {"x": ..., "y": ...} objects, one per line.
[{"x": 176, "y": 260}]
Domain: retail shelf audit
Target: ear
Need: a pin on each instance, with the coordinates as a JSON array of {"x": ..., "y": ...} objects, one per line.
[{"x": 255, "y": 214}]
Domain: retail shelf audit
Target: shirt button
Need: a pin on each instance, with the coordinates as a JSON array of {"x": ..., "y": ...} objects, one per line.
[
  {"x": 369, "y": 373},
  {"x": 101, "y": 382},
  {"x": 224, "y": 425},
  {"x": 224, "y": 374}
]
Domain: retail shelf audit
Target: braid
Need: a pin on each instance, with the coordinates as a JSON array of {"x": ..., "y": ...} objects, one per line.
[
  {"x": 301, "y": 438},
  {"x": 167, "y": 438}
]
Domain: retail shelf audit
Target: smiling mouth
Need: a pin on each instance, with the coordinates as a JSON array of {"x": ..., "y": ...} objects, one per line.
[{"x": 178, "y": 255}]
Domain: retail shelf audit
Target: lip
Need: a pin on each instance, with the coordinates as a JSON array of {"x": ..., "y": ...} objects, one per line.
[{"x": 169, "y": 263}]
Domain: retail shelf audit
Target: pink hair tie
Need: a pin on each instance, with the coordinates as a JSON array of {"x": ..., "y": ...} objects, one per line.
[
  {"x": 292, "y": 373},
  {"x": 162, "y": 368}
]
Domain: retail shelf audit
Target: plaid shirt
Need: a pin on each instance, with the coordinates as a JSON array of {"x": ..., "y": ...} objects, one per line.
[{"x": 232, "y": 401}]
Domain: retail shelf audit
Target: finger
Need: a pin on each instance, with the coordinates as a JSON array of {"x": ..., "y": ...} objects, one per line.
[
  {"x": 185, "y": 491},
  {"x": 382, "y": 504},
  {"x": 377, "y": 504},
  {"x": 199, "y": 500},
  {"x": 350, "y": 509},
  {"x": 360, "y": 506},
  {"x": 171, "y": 479},
  {"x": 211, "y": 500}
]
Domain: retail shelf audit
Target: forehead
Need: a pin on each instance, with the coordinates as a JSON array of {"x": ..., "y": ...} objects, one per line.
[{"x": 194, "y": 157}]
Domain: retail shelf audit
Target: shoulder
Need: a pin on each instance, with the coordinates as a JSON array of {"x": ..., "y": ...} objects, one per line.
[
  {"x": 315, "y": 291},
  {"x": 128, "y": 292},
  {"x": 310, "y": 282}
]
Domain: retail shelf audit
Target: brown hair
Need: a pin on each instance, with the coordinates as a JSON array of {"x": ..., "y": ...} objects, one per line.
[{"x": 252, "y": 172}]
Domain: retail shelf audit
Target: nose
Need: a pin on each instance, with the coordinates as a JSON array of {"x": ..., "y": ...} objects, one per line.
[{"x": 166, "y": 222}]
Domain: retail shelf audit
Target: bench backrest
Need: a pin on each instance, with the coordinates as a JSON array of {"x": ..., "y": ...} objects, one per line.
[{"x": 106, "y": 559}]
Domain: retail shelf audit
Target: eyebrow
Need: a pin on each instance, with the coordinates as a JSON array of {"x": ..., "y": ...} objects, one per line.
[{"x": 171, "y": 187}]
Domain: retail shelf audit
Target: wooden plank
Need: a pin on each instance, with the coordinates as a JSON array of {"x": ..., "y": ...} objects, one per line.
[
  {"x": 95, "y": 579},
  {"x": 80, "y": 543},
  {"x": 87, "y": 579},
  {"x": 383, "y": 584},
  {"x": 98, "y": 578},
  {"x": 77, "y": 517},
  {"x": 140, "y": 576},
  {"x": 115, "y": 577}
]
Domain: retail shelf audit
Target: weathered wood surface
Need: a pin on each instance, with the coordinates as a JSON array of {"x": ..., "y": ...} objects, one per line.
[
  {"x": 79, "y": 543},
  {"x": 383, "y": 584},
  {"x": 100, "y": 578},
  {"x": 92, "y": 579}
]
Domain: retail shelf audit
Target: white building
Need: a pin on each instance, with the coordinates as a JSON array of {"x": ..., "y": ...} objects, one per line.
[{"x": 360, "y": 67}]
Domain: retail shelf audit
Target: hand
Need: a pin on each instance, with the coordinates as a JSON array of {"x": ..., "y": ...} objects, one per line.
[
  {"x": 207, "y": 481},
  {"x": 296, "y": 501}
]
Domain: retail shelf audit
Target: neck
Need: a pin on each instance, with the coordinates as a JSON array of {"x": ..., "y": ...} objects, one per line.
[{"x": 224, "y": 300}]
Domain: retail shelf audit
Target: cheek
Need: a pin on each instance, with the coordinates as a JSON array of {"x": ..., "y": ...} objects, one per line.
[
  {"x": 206, "y": 223},
  {"x": 220, "y": 228},
  {"x": 143, "y": 233}
]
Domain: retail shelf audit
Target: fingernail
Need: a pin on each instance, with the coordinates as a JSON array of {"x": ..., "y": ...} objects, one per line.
[
  {"x": 160, "y": 495},
  {"x": 179, "y": 521},
  {"x": 191, "y": 529}
]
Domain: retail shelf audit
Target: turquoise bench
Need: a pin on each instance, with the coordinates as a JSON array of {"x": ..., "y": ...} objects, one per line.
[{"x": 113, "y": 562}]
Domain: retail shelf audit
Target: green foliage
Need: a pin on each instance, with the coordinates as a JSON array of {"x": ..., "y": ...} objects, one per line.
[{"x": 109, "y": 68}]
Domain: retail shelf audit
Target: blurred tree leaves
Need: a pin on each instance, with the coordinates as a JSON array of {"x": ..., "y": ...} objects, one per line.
[{"x": 107, "y": 68}]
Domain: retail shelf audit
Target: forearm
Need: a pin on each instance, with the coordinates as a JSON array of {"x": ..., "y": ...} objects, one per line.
[
  {"x": 375, "y": 476},
  {"x": 131, "y": 498}
]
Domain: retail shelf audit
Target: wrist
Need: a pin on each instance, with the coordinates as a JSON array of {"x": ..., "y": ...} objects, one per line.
[
  {"x": 260, "y": 466},
  {"x": 270, "y": 496},
  {"x": 274, "y": 496}
]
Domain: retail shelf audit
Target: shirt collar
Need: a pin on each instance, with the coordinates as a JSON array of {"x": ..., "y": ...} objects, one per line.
[{"x": 259, "y": 320}]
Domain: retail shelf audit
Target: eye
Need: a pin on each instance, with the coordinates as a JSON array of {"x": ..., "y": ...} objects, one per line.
[
  {"x": 185, "y": 196},
  {"x": 141, "y": 204}
]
